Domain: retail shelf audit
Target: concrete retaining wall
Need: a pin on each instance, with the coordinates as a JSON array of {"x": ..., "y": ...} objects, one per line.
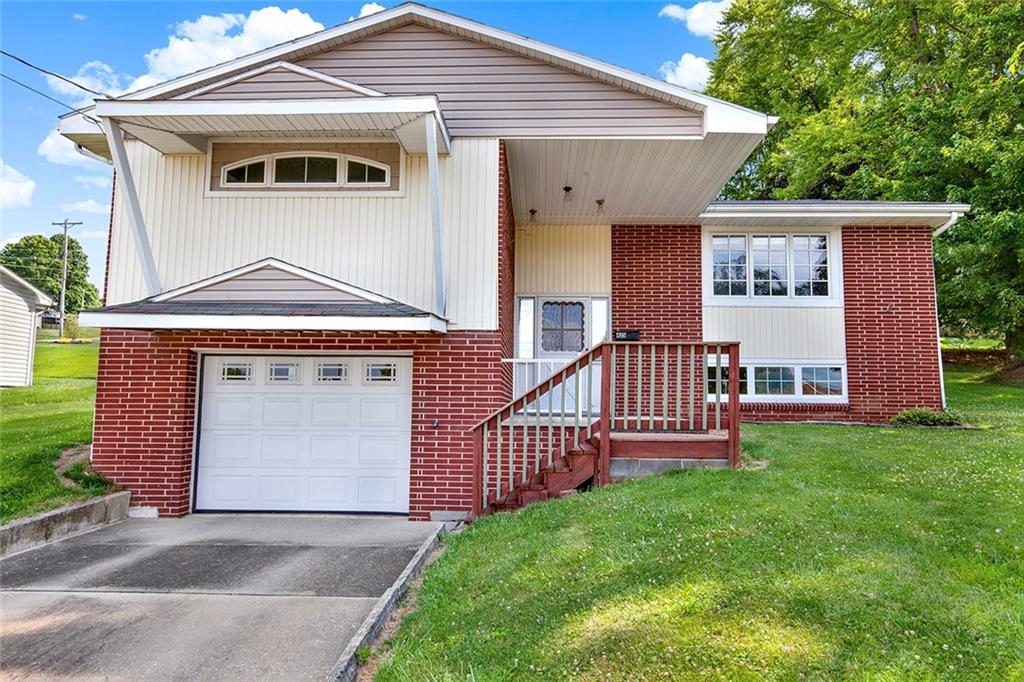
[
  {"x": 623, "y": 468},
  {"x": 17, "y": 536}
]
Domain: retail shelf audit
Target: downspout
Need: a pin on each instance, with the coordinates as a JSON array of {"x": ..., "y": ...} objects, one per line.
[
  {"x": 939, "y": 231},
  {"x": 92, "y": 155}
]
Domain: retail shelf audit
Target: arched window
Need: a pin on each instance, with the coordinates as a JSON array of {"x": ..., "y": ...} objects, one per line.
[{"x": 306, "y": 169}]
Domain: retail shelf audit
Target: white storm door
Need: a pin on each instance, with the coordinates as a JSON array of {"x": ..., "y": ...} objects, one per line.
[{"x": 288, "y": 433}]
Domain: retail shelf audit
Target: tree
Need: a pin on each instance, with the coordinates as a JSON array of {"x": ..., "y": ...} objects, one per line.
[
  {"x": 911, "y": 100},
  {"x": 37, "y": 259}
]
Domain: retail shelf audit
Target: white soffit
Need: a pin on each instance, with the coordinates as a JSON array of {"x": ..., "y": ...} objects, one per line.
[{"x": 641, "y": 180}]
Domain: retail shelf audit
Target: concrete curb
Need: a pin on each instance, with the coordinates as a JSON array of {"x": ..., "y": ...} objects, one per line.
[
  {"x": 42, "y": 529},
  {"x": 345, "y": 669}
]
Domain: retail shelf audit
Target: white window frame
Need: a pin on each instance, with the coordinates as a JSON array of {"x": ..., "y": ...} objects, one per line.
[
  {"x": 797, "y": 365},
  {"x": 538, "y": 306},
  {"x": 268, "y": 189},
  {"x": 790, "y": 300}
]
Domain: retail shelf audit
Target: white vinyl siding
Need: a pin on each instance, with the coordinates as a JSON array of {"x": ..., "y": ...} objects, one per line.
[
  {"x": 17, "y": 335},
  {"x": 779, "y": 332},
  {"x": 564, "y": 259},
  {"x": 382, "y": 244}
]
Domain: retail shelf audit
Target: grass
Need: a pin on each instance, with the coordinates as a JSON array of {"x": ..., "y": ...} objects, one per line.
[
  {"x": 964, "y": 343},
  {"x": 868, "y": 553},
  {"x": 38, "y": 422}
]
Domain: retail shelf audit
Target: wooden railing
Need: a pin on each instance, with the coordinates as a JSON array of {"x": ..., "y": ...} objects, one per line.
[{"x": 638, "y": 387}]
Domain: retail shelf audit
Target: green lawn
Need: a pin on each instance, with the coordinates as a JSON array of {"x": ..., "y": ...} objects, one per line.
[
  {"x": 39, "y": 421},
  {"x": 867, "y": 553}
]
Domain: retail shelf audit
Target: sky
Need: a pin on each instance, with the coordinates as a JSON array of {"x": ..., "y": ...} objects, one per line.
[{"x": 116, "y": 47}]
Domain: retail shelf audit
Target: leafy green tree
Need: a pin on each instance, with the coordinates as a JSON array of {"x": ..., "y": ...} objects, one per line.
[
  {"x": 37, "y": 259},
  {"x": 904, "y": 100}
]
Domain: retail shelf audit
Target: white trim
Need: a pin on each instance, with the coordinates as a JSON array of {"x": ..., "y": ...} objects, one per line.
[
  {"x": 429, "y": 323},
  {"x": 436, "y": 214},
  {"x": 42, "y": 300},
  {"x": 417, "y": 104},
  {"x": 728, "y": 117},
  {"x": 341, "y": 161},
  {"x": 279, "y": 265},
  {"x": 838, "y": 211},
  {"x": 835, "y": 269},
  {"x": 289, "y": 66},
  {"x": 269, "y": 353},
  {"x": 115, "y": 140},
  {"x": 541, "y": 356}
]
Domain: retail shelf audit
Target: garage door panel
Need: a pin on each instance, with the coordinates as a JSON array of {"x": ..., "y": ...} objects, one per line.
[
  {"x": 282, "y": 449},
  {"x": 332, "y": 450},
  {"x": 305, "y": 442},
  {"x": 333, "y": 412}
]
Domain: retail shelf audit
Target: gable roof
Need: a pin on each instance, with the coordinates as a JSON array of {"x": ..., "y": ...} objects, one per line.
[
  {"x": 279, "y": 66},
  {"x": 720, "y": 116},
  {"x": 292, "y": 272},
  {"x": 42, "y": 300}
]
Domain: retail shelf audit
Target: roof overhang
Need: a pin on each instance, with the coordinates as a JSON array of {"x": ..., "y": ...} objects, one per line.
[
  {"x": 939, "y": 215},
  {"x": 185, "y": 126},
  {"x": 422, "y": 323}
]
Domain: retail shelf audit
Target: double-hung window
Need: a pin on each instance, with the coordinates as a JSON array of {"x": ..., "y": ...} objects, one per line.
[{"x": 771, "y": 266}]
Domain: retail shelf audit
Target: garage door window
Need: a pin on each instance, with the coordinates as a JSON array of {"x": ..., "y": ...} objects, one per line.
[
  {"x": 332, "y": 372},
  {"x": 236, "y": 372},
  {"x": 381, "y": 372},
  {"x": 283, "y": 373}
]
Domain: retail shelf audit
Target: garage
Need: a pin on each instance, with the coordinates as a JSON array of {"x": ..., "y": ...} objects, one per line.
[{"x": 318, "y": 434}]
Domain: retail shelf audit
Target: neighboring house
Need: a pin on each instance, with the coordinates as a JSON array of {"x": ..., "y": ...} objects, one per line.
[
  {"x": 330, "y": 261},
  {"x": 21, "y": 307}
]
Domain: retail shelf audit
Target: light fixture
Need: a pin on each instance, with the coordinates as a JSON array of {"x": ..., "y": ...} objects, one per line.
[
  {"x": 533, "y": 216},
  {"x": 567, "y": 193},
  {"x": 600, "y": 206}
]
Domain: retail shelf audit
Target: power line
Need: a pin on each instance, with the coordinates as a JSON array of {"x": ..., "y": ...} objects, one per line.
[
  {"x": 55, "y": 75},
  {"x": 38, "y": 92}
]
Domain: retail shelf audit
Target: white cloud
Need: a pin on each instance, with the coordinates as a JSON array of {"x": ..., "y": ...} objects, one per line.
[
  {"x": 702, "y": 19},
  {"x": 13, "y": 237},
  {"x": 60, "y": 150},
  {"x": 93, "y": 234},
  {"x": 87, "y": 206},
  {"x": 368, "y": 9},
  {"x": 101, "y": 181},
  {"x": 15, "y": 189},
  {"x": 78, "y": 16},
  {"x": 690, "y": 72}
]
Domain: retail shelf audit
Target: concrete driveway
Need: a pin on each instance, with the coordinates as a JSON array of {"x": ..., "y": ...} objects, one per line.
[{"x": 201, "y": 597}]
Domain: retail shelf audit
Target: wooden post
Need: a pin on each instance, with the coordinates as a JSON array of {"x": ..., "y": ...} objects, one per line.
[
  {"x": 478, "y": 471},
  {"x": 734, "y": 404},
  {"x": 605, "y": 450}
]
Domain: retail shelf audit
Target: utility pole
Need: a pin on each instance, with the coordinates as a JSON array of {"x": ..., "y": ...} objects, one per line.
[{"x": 64, "y": 271}]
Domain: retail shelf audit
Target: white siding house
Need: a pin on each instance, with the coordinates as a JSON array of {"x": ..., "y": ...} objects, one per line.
[{"x": 21, "y": 306}]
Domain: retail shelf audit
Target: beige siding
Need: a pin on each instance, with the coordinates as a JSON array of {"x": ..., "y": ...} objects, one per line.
[
  {"x": 279, "y": 84},
  {"x": 778, "y": 332},
  {"x": 226, "y": 153},
  {"x": 564, "y": 259},
  {"x": 269, "y": 284},
  {"x": 17, "y": 335},
  {"x": 485, "y": 91},
  {"x": 378, "y": 243}
]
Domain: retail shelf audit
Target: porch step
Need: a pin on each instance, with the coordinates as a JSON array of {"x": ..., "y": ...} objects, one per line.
[{"x": 681, "y": 445}]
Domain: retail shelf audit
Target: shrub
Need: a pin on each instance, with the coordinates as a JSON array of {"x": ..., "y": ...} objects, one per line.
[
  {"x": 71, "y": 327},
  {"x": 923, "y": 416}
]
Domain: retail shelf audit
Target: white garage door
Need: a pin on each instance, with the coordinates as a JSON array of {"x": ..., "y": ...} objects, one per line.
[{"x": 304, "y": 434}]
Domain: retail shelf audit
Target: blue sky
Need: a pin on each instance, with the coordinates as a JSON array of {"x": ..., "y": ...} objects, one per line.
[{"x": 115, "y": 46}]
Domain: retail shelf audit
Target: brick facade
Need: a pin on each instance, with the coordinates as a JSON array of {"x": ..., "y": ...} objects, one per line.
[
  {"x": 656, "y": 281},
  {"x": 146, "y": 393},
  {"x": 892, "y": 352}
]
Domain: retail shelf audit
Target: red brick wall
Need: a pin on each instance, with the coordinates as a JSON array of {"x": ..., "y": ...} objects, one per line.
[
  {"x": 656, "y": 281},
  {"x": 506, "y": 268},
  {"x": 891, "y": 345},
  {"x": 145, "y": 406}
]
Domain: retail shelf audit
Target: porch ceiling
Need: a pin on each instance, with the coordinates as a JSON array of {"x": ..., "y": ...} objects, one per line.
[{"x": 651, "y": 181}]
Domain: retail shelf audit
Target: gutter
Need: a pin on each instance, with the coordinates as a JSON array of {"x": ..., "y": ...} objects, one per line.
[{"x": 92, "y": 155}]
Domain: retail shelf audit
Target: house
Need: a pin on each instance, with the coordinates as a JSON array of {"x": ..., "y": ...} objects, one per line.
[
  {"x": 419, "y": 265},
  {"x": 21, "y": 308}
]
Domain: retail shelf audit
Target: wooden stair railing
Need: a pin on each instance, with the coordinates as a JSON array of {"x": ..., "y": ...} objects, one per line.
[{"x": 645, "y": 387}]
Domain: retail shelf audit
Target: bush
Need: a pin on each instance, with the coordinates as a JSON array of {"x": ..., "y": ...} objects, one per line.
[
  {"x": 71, "y": 327},
  {"x": 923, "y": 416}
]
